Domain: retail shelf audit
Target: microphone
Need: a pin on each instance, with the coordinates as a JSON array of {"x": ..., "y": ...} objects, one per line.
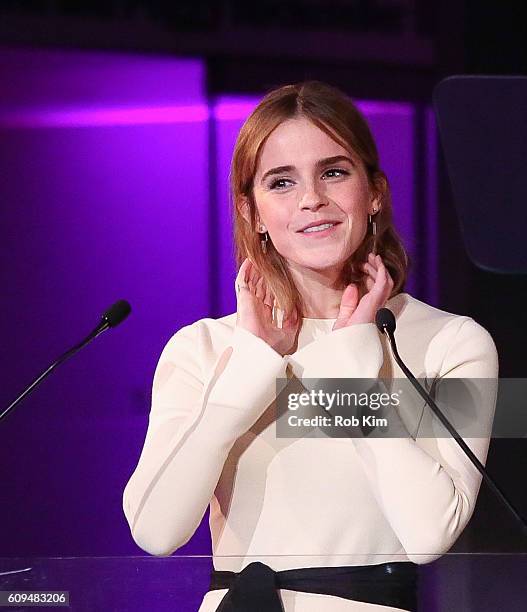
[
  {"x": 115, "y": 315},
  {"x": 112, "y": 317},
  {"x": 385, "y": 321}
]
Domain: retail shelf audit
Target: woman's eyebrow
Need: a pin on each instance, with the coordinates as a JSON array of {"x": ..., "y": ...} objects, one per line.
[
  {"x": 277, "y": 170},
  {"x": 334, "y": 160},
  {"x": 327, "y": 161}
]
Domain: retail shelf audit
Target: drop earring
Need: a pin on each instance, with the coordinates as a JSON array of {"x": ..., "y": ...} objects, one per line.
[
  {"x": 263, "y": 242},
  {"x": 373, "y": 223}
]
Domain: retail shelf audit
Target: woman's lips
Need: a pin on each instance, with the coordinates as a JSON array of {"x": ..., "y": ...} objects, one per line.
[{"x": 320, "y": 233}]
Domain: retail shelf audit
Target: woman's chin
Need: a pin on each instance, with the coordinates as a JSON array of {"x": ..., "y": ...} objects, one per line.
[{"x": 318, "y": 265}]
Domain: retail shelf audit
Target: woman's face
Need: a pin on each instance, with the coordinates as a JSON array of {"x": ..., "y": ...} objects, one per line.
[{"x": 304, "y": 177}]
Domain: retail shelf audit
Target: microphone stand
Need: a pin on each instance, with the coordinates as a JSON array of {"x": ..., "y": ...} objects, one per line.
[
  {"x": 112, "y": 317},
  {"x": 386, "y": 324}
]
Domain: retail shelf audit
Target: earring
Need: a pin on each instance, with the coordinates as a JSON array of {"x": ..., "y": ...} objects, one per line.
[
  {"x": 263, "y": 242},
  {"x": 373, "y": 223}
]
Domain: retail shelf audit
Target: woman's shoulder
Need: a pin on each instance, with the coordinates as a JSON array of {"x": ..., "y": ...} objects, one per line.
[
  {"x": 212, "y": 327},
  {"x": 424, "y": 323},
  {"x": 203, "y": 336},
  {"x": 406, "y": 306}
]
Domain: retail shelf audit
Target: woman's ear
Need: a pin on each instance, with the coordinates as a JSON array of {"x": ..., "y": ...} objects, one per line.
[
  {"x": 246, "y": 213},
  {"x": 379, "y": 189},
  {"x": 375, "y": 204}
]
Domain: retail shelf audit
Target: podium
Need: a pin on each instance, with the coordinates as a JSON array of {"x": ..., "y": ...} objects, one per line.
[{"x": 471, "y": 582}]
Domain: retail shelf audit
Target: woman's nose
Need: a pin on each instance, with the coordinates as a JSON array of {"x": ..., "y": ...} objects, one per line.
[{"x": 313, "y": 198}]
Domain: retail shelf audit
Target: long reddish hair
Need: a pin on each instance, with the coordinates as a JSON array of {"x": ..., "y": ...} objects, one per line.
[{"x": 334, "y": 113}]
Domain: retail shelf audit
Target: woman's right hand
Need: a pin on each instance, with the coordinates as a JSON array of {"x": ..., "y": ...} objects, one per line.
[{"x": 255, "y": 309}]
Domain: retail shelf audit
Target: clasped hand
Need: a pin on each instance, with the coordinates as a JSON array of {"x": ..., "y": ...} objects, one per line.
[{"x": 255, "y": 303}]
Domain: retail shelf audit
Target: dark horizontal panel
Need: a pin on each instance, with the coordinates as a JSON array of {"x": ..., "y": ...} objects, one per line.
[{"x": 265, "y": 42}]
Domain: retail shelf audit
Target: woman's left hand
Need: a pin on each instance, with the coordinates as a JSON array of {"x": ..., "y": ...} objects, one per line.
[{"x": 379, "y": 285}]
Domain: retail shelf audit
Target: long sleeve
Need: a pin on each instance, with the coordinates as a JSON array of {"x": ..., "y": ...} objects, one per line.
[
  {"x": 427, "y": 487},
  {"x": 193, "y": 424},
  {"x": 353, "y": 351}
]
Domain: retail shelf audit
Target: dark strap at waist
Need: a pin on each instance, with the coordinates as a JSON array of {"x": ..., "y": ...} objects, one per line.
[{"x": 255, "y": 587}]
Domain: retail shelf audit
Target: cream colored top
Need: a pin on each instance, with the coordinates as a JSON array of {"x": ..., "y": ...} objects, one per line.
[{"x": 304, "y": 502}]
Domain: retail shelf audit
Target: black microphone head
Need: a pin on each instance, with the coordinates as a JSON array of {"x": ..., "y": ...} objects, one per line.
[
  {"x": 385, "y": 320},
  {"x": 117, "y": 313}
]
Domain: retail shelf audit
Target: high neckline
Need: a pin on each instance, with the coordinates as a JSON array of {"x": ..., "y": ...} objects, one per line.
[{"x": 317, "y": 320}]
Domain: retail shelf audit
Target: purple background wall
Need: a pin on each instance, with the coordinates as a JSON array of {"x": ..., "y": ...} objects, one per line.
[{"x": 104, "y": 159}]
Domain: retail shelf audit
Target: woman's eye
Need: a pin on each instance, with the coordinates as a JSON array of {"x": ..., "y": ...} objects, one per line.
[
  {"x": 279, "y": 184},
  {"x": 283, "y": 183},
  {"x": 333, "y": 170}
]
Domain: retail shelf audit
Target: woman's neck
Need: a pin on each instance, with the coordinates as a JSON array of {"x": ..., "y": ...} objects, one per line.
[{"x": 321, "y": 292}]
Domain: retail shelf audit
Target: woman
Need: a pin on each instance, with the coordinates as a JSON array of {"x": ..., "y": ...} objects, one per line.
[{"x": 308, "y": 523}]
